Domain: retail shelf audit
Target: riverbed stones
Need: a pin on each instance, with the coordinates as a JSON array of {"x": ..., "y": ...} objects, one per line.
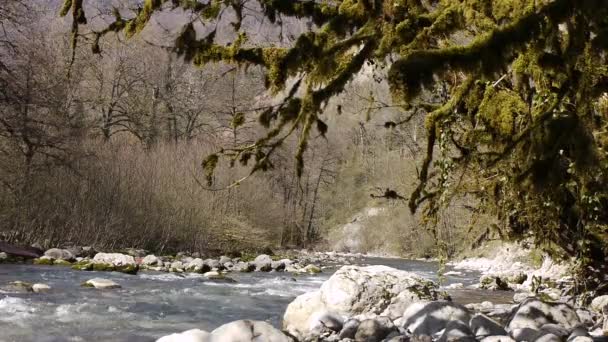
[
  {"x": 116, "y": 259},
  {"x": 151, "y": 260},
  {"x": 374, "y": 330},
  {"x": 18, "y": 286},
  {"x": 101, "y": 283},
  {"x": 111, "y": 262},
  {"x": 197, "y": 266},
  {"x": 213, "y": 264},
  {"x": 457, "y": 331},
  {"x": 61, "y": 254},
  {"x": 263, "y": 263},
  {"x": 482, "y": 326},
  {"x": 194, "y": 335},
  {"x": 243, "y": 266},
  {"x": 41, "y": 288},
  {"x": 248, "y": 331},
  {"x": 352, "y": 291},
  {"x": 349, "y": 329},
  {"x": 429, "y": 318},
  {"x": 177, "y": 267},
  {"x": 43, "y": 260},
  {"x": 598, "y": 303},
  {"x": 494, "y": 283},
  {"x": 224, "y": 259},
  {"x": 532, "y": 314}
]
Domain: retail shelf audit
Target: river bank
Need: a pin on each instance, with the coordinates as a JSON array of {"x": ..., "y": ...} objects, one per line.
[{"x": 169, "y": 294}]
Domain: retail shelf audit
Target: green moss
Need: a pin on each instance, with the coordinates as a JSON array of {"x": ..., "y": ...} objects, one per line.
[
  {"x": 353, "y": 9},
  {"x": 43, "y": 261},
  {"x": 128, "y": 269},
  {"x": 83, "y": 266},
  {"x": 60, "y": 262},
  {"x": 500, "y": 109}
]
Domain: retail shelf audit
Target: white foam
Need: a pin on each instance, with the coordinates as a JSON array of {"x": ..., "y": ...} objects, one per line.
[{"x": 15, "y": 310}]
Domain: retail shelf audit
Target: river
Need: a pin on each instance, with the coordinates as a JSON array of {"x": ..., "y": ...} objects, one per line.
[{"x": 150, "y": 304}]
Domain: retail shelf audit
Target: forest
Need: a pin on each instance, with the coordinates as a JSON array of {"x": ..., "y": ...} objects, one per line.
[
  {"x": 106, "y": 148},
  {"x": 304, "y": 170},
  {"x": 243, "y": 125}
]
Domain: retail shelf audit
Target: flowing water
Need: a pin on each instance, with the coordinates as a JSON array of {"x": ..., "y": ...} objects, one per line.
[{"x": 150, "y": 305}]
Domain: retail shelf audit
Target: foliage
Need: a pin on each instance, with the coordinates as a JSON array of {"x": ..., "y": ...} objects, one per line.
[{"x": 524, "y": 115}]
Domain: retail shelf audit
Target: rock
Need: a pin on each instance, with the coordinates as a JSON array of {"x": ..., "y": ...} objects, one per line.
[
  {"x": 277, "y": 266},
  {"x": 587, "y": 317},
  {"x": 40, "y": 288},
  {"x": 312, "y": 269},
  {"x": 352, "y": 291},
  {"x": 88, "y": 252},
  {"x": 114, "y": 262},
  {"x": 432, "y": 317},
  {"x": 197, "y": 266},
  {"x": 396, "y": 337},
  {"x": 43, "y": 260},
  {"x": 24, "y": 252},
  {"x": 215, "y": 275},
  {"x": 457, "y": 331},
  {"x": 497, "y": 339},
  {"x": 532, "y": 314},
  {"x": 349, "y": 329},
  {"x": 247, "y": 331},
  {"x": 151, "y": 260},
  {"x": 521, "y": 296},
  {"x": 61, "y": 262},
  {"x": 494, "y": 283},
  {"x": 177, "y": 266},
  {"x": 518, "y": 278},
  {"x": 224, "y": 259},
  {"x": 56, "y": 253},
  {"x": 194, "y": 335},
  {"x": 18, "y": 286},
  {"x": 401, "y": 302},
  {"x": 115, "y": 259},
  {"x": 242, "y": 266},
  {"x": 373, "y": 330},
  {"x": 100, "y": 283},
  {"x": 325, "y": 321},
  {"x": 482, "y": 326},
  {"x": 3, "y": 257},
  {"x": 598, "y": 303},
  {"x": 550, "y": 294},
  {"x": 581, "y": 339},
  {"x": 212, "y": 263},
  {"x": 263, "y": 263}
]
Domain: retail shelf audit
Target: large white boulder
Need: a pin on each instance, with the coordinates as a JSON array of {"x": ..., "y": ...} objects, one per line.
[
  {"x": 194, "y": 335},
  {"x": 532, "y": 314},
  {"x": 263, "y": 263},
  {"x": 100, "y": 283},
  {"x": 354, "y": 291},
  {"x": 598, "y": 303},
  {"x": 40, "y": 288},
  {"x": 151, "y": 260},
  {"x": 59, "y": 254},
  {"x": 430, "y": 318},
  {"x": 247, "y": 331},
  {"x": 115, "y": 259}
]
